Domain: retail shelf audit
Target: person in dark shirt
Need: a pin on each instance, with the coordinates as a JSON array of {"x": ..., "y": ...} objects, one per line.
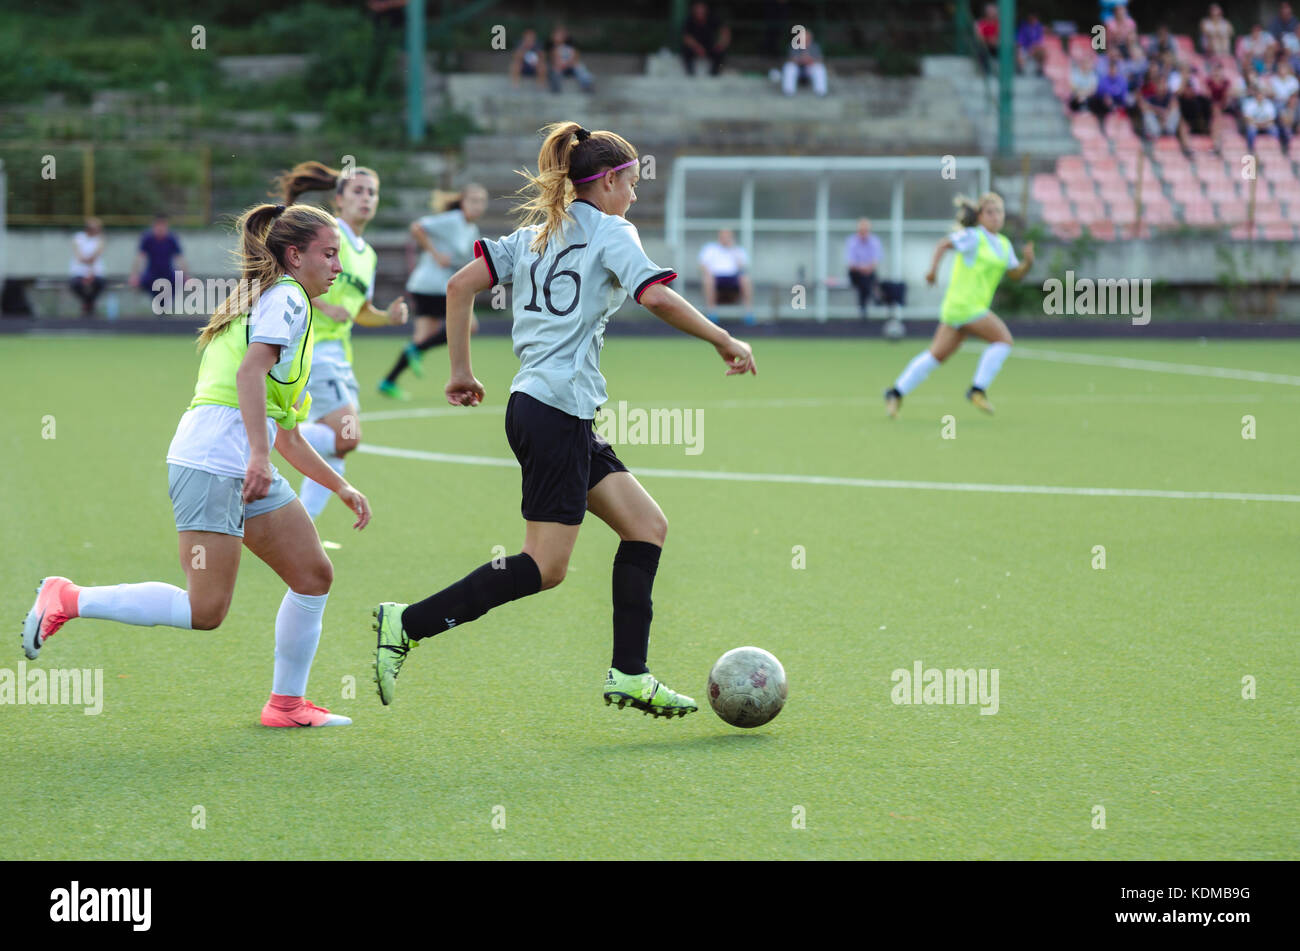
[
  {"x": 704, "y": 36},
  {"x": 159, "y": 259}
]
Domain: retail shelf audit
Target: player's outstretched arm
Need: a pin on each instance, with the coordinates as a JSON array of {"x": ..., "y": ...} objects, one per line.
[
  {"x": 940, "y": 250},
  {"x": 299, "y": 453},
  {"x": 674, "y": 310},
  {"x": 474, "y": 278},
  {"x": 1026, "y": 262}
]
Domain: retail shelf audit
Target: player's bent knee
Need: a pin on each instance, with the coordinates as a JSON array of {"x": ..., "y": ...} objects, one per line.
[
  {"x": 207, "y": 617},
  {"x": 344, "y": 445},
  {"x": 552, "y": 575}
]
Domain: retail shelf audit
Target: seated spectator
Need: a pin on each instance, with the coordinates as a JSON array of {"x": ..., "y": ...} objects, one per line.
[
  {"x": 1225, "y": 93},
  {"x": 1030, "y": 44},
  {"x": 723, "y": 264},
  {"x": 1161, "y": 43},
  {"x": 1112, "y": 92},
  {"x": 1285, "y": 89},
  {"x": 706, "y": 37},
  {"x": 1147, "y": 86},
  {"x": 1134, "y": 65},
  {"x": 1216, "y": 33},
  {"x": 1161, "y": 114},
  {"x": 1121, "y": 31},
  {"x": 528, "y": 59},
  {"x": 1083, "y": 79},
  {"x": 1290, "y": 43},
  {"x": 804, "y": 64},
  {"x": 1284, "y": 23},
  {"x": 1258, "y": 115},
  {"x": 86, "y": 270},
  {"x": 563, "y": 60},
  {"x": 986, "y": 37},
  {"x": 1194, "y": 102},
  {"x": 862, "y": 254},
  {"x": 1255, "y": 51},
  {"x": 159, "y": 259}
]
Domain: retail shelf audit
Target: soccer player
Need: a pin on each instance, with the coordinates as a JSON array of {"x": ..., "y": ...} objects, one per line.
[
  {"x": 223, "y": 488},
  {"x": 333, "y": 429},
  {"x": 571, "y": 271},
  {"x": 447, "y": 242},
  {"x": 983, "y": 255}
]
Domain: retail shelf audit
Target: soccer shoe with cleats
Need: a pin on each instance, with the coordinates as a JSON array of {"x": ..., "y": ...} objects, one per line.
[
  {"x": 646, "y": 694},
  {"x": 393, "y": 391},
  {"x": 893, "y": 402},
  {"x": 415, "y": 360},
  {"x": 56, "y": 604},
  {"x": 391, "y": 647},
  {"x": 305, "y": 714},
  {"x": 980, "y": 399}
]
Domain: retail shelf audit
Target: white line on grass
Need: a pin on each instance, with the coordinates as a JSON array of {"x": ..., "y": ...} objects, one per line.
[
  {"x": 853, "y": 482},
  {"x": 1155, "y": 366}
]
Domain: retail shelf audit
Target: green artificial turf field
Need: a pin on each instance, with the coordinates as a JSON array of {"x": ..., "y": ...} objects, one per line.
[{"x": 1119, "y": 688}]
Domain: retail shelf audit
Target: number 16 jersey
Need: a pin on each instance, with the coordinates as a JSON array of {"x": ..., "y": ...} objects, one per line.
[{"x": 564, "y": 296}]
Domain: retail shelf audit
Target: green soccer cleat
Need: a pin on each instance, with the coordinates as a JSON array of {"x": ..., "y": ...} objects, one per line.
[
  {"x": 646, "y": 694},
  {"x": 415, "y": 360},
  {"x": 393, "y": 391},
  {"x": 391, "y": 648}
]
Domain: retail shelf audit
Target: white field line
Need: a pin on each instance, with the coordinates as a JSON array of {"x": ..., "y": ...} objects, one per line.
[
  {"x": 1154, "y": 366},
  {"x": 853, "y": 482}
]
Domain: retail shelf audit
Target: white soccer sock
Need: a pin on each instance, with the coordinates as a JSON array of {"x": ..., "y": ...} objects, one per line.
[
  {"x": 916, "y": 372},
  {"x": 146, "y": 604},
  {"x": 297, "y": 632},
  {"x": 990, "y": 364},
  {"x": 319, "y": 436},
  {"x": 314, "y": 496}
]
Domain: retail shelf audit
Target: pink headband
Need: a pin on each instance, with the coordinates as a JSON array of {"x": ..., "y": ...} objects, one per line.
[{"x": 590, "y": 178}]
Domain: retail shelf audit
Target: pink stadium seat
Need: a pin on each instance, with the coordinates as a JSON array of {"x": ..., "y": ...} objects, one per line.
[
  {"x": 1222, "y": 190},
  {"x": 1103, "y": 167},
  {"x": 1090, "y": 211},
  {"x": 1279, "y": 232},
  {"x": 1070, "y": 164},
  {"x": 1240, "y": 232},
  {"x": 1102, "y": 230},
  {"x": 1159, "y": 215},
  {"x": 1123, "y": 211},
  {"x": 1067, "y": 231},
  {"x": 1200, "y": 143},
  {"x": 1045, "y": 186},
  {"x": 1199, "y": 213},
  {"x": 1057, "y": 212}
]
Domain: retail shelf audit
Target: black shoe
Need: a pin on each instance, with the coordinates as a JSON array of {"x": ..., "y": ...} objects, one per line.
[{"x": 893, "y": 402}]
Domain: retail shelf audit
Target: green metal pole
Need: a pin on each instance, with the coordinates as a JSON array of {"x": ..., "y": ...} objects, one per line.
[
  {"x": 1006, "y": 75},
  {"x": 675, "y": 24},
  {"x": 965, "y": 26},
  {"x": 415, "y": 70}
]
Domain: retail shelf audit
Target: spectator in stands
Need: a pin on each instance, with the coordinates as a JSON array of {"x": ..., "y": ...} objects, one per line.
[
  {"x": 1031, "y": 44},
  {"x": 1225, "y": 95},
  {"x": 1284, "y": 23},
  {"x": 986, "y": 37},
  {"x": 862, "y": 254},
  {"x": 1122, "y": 31},
  {"x": 723, "y": 266},
  {"x": 1161, "y": 114},
  {"x": 706, "y": 37},
  {"x": 1112, "y": 92},
  {"x": 1194, "y": 102},
  {"x": 1083, "y": 79},
  {"x": 1291, "y": 46},
  {"x": 1256, "y": 50},
  {"x": 1161, "y": 43},
  {"x": 1216, "y": 33},
  {"x": 1134, "y": 65},
  {"x": 87, "y": 268},
  {"x": 159, "y": 259},
  {"x": 1286, "y": 95},
  {"x": 565, "y": 61},
  {"x": 528, "y": 59},
  {"x": 804, "y": 62},
  {"x": 1258, "y": 114}
]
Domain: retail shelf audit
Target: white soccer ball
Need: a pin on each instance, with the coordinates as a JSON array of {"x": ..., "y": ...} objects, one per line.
[{"x": 747, "y": 687}]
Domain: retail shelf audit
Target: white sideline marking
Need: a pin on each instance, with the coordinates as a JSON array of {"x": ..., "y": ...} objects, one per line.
[
  {"x": 852, "y": 482},
  {"x": 1155, "y": 366}
]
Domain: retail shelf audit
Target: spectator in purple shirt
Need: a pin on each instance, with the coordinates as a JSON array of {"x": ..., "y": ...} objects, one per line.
[
  {"x": 1029, "y": 43},
  {"x": 1111, "y": 94},
  {"x": 862, "y": 254},
  {"x": 160, "y": 259}
]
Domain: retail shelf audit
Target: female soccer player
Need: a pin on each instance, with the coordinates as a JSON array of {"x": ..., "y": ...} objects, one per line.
[
  {"x": 570, "y": 274},
  {"x": 221, "y": 482},
  {"x": 447, "y": 242},
  {"x": 983, "y": 255},
  {"x": 333, "y": 429}
]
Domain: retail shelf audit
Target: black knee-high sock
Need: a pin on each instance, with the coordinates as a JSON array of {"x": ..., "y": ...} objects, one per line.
[
  {"x": 404, "y": 361},
  {"x": 401, "y": 364},
  {"x": 437, "y": 340},
  {"x": 473, "y": 596},
  {"x": 635, "y": 565}
]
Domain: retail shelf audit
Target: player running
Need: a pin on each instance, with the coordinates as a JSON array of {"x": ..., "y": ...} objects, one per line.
[
  {"x": 333, "y": 428},
  {"x": 983, "y": 255},
  {"x": 223, "y": 487},
  {"x": 446, "y": 241},
  {"x": 571, "y": 273}
]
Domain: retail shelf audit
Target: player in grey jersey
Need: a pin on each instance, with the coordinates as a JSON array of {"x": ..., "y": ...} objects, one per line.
[{"x": 572, "y": 264}]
